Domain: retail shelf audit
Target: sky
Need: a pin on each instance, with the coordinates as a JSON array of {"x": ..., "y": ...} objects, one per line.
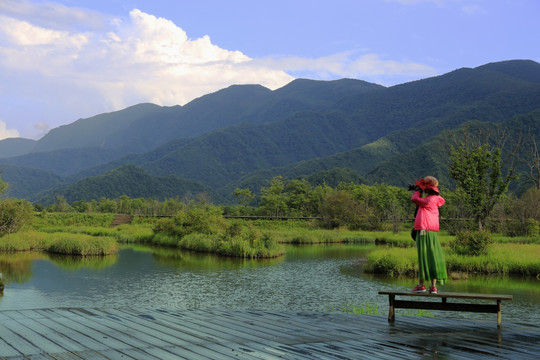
[{"x": 69, "y": 59}]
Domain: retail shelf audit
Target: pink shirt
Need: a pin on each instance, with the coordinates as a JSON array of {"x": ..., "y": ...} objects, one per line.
[{"x": 427, "y": 217}]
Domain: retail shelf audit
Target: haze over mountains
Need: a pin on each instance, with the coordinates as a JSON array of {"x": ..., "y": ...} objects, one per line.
[{"x": 242, "y": 136}]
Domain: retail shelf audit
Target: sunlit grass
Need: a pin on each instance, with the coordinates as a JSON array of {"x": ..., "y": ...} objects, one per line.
[
  {"x": 139, "y": 233},
  {"x": 392, "y": 261},
  {"x": 373, "y": 309},
  {"x": 240, "y": 247},
  {"x": 82, "y": 244},
  {"x": 502, "y": 259},
  {"x": 60, "y": 243}
]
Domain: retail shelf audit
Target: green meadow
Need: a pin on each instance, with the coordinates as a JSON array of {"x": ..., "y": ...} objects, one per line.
[{"x": 393, "y": 254}]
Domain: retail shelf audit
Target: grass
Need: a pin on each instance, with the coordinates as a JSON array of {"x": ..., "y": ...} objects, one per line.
[
  {"x": 60, "y": 243},
  {"x": 392, "y": 261},
  {"x": 89, "y": 234},
  {"x": 71, "y": 234},
  {"x": 373, "y": 309},
  {"x": 241, "y": 247},
  {"x": 72, "y": 219},
  {"x": 82, "y": 244},
  {"x": 305, "y": 232},
  {"x": 502, "y": 259}
]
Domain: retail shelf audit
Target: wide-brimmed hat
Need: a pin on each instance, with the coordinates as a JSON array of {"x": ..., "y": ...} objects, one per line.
[{"x": 427, "y": 185}]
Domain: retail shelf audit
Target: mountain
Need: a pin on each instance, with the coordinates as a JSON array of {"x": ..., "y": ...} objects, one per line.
[
  {"x": 141, "y": 128},
  {"x": 24, "y": 183},
  {"x": 131, "y": 181},
  {"x": 403, "y": 115},
  {"x": 64, "y": 162},
  {"x": 15, "y": 147},
  {"x": 344, "y": 130}
]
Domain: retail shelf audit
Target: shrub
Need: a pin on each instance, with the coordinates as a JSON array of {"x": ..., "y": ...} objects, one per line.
[
  {"x": 533, "y": 227},
  {"x": 513, "y": 228},
  {"x": 472, "y": 243},
  {"x": 340, "y": 209},
  {"x": 14, "y": 214},
  {"x": 164, "y": 225},
  {"x": 163, "y": 239},
  {"x": 203, "y": 219}
]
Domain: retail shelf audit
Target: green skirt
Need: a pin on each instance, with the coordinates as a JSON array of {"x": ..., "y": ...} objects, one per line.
[{"x": 431, "y": 264}]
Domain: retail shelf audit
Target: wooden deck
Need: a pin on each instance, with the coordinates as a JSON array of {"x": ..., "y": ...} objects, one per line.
[{"x": 77, "y": 333}]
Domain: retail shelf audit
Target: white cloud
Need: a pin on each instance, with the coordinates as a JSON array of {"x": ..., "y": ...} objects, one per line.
[
  {"x": 42, "y": 128},
  {"x": 7, "y": 133},
  {"x": 64, "y": 63},
  {"x": 113, "y": 63},
  {"x": 368, "y": 67},
  {"x": 53, "y": 15}
]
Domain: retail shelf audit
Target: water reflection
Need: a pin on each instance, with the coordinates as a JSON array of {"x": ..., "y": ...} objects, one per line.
[{"x": 308, "y": 278}]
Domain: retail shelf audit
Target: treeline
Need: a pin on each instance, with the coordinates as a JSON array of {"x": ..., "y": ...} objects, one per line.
[{"x": 355, "y": 206}]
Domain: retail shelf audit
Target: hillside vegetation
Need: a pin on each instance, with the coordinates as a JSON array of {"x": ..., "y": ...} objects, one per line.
[{"x": 245, "y": 135}]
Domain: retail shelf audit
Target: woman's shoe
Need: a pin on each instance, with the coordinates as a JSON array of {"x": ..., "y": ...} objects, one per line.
[{"x": 419, "y": 288}]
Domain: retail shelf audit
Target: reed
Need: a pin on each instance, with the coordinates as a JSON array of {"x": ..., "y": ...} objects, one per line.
[
  {"x": 72, "y": 219},
  {"x": 24, "y": 241},
  {"x": 502, "y": 259},
  {"x": 237, "y": 246},
  {"x": 140, "y": 233},
  {"x": 59, "y": 242},
  {"x": 163, "y": 239},
  {"x": 304, "y": 235},
  {"x": 392, "y": 261},
  {"x": 82, "y": 244}
]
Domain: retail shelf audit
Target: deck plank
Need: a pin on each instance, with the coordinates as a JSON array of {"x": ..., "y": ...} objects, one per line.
[{"x": 136, "y": 333}]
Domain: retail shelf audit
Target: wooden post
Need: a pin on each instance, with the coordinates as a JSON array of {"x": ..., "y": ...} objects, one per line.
[
  {"x": 391, "y": 314},
  {"x": 1, "y": 283},
  {"x": 499, "y": 320}
]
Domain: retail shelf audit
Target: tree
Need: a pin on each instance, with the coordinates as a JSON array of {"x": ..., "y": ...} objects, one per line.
[
  {"x": 3, "y": 185},
  {"x": 244, "y": 196},
  {"x": 339, "y": 208},
  {"x": 273, "y": 200},
  {"x": 534, "y": 160},
  {"x": 297, "y": 194},
  {"x": 477, "y": 171},
  {"x": 14, "y": 214}
]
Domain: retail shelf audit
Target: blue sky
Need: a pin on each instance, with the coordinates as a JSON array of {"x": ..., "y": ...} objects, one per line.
[{"x": 68, "y": 59}]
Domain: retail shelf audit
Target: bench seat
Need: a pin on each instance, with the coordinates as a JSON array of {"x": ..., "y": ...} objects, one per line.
[{"x": 444, "y": 304}]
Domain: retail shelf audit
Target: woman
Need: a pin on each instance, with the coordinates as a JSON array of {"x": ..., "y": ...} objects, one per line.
[{"x": 431, "y": 264}]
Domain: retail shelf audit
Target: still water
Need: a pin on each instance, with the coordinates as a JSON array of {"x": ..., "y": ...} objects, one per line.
[{"x": 308, "y": 278}]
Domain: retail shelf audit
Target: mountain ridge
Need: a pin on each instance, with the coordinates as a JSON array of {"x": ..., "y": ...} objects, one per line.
[{"x": 303, "y": 129}]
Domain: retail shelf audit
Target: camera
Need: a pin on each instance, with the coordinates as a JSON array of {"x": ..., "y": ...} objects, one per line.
[{"x": 412, "y": 187}]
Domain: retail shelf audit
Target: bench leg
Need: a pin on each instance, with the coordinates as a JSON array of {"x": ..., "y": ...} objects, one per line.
[
  {"x": 499, "y": 320},
  {"x": 391, "y": 314}
]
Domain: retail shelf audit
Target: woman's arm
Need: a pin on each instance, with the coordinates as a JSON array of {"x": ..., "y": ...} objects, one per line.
[{"x": 418, "y": 199}]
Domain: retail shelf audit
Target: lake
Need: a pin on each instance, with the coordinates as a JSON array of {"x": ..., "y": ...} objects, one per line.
[{"x": 309, "y": 278}]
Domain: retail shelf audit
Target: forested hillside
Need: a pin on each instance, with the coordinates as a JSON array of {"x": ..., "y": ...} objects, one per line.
[{"x": 243, "y": 136}]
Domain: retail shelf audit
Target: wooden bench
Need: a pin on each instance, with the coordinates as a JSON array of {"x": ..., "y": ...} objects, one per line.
[{"x": 444, "y": 304}]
